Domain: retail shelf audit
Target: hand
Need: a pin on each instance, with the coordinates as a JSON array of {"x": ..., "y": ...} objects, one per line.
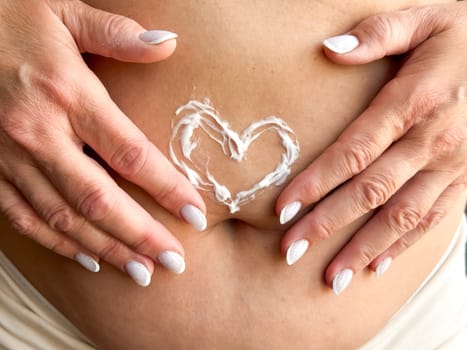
[
  {"x": 405, "y": 154},
  {"x": 51, "y": 105}
]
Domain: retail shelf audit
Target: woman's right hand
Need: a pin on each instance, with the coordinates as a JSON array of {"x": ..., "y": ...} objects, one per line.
[{"x": 51, "y": 105}]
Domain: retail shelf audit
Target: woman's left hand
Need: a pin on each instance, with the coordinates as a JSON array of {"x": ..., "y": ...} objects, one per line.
[{"x": 406, "y": 154}]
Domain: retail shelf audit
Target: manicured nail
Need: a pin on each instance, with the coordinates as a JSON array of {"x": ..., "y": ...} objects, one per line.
[
  {"x": 383, "y": 266},
  {"x": 172, "y": 261},
  {"x": 296, "y": 251},
  {"x": 289, "y": 212},
  {"x": 154, "y": 37},
  {"x": 341, "y": 281},
  {"x": 87, "y": 262},
  {"x": 139, "y": 273},
  {"x": 341, "y": 43},
  {"x": 194, "y": 217}
]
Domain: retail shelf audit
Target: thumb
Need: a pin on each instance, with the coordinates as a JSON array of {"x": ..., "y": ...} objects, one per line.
[
  {"x": 386, "y": 34},
  {"x": 110, "y": 35}
]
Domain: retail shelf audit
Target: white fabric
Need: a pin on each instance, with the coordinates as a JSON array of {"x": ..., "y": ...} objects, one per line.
[
  {"x": 28, "y": 321},
  {"x": 435, "y": 317}
]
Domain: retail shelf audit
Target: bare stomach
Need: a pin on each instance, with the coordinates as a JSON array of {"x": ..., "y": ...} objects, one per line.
[{"x": 252, "y": 60}]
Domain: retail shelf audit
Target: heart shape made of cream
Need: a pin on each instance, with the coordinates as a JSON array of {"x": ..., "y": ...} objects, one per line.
[{"x": 202, "y": 115}]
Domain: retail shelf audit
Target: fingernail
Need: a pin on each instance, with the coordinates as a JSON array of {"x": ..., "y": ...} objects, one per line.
[
  {"x": 296, "y": 251},
  {"x": 87, "y": 262},
  {"x": 154, "y": 37},
  {"x": 341, "y": 281},
  {"x": 341, "y": 43},
  {"x": 289, "y": 212},
  {"x": 172, "y": 261},
  {"x": 194, "y": 217},
  {"x": 139, "y": 273},
  {"x": 383, "y": 266}
]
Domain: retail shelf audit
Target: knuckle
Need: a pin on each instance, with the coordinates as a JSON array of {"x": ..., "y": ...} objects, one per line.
[
  {"x": 404, "y": 218},
  {"x": 59, "y": 245},
  {"x": 357, "y": 154},
  {"x": 95, "y": 203},
  {"x": 56, "y": 86},
  {"x": 47, "y": 95},
  {"x": 130, "y": 158},
  {"x": 24, "y": 224},
  {"x": 448, "y": 143},
  {"x": 426, "y": 101},
  {"x": 432, "y": 219},
  {"x": 416, "y": 107},
  {"x": 111, "y": 249},
  {"x": 142, "y": 242},
  {"x": 321, "y": 229},
  {"x": 403, "y": 243},
  {"x": 399, "y": 116},
  {"x": 366, "y": 255},
  {"x": 310, "y": 190},
  {"x": 375, "y": 190},
  {"x": 15, "y": 128},
  {"x": 379, "y": 28},
  {"x": 21, "y": 128},
  {"x": 116, "y": 26},
  {"x": 60, "y": 218},
  {"x": 433, "y": 16},
  {"x": 169, "y": 192}
]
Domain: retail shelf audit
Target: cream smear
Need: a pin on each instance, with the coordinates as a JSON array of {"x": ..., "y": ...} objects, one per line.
[{"x": 202, "y": 115}]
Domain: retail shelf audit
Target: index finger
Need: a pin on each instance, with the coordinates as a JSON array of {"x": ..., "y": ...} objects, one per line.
[
  {"x": 113, "y": 136},
  {"x": 363, "y": 141}
]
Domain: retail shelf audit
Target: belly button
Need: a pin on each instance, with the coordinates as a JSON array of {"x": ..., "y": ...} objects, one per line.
[{"x": 232, "y": 225}]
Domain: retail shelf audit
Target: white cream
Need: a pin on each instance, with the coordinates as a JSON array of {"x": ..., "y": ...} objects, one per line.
[{"x": 202, "y": 115}]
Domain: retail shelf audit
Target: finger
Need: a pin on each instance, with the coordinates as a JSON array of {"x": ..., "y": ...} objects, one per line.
[
  {"x": 386, "y": 34},
  {"x": 127, "y": 150},
  {"x": 403, "y": 102},
  {"x": 399, "y": 216},
  {"x": 25, "y": 221},
  {"x": 60, "y": 217},
  {"x": 112, "y": 35},
  {"x": 390, "y": 115},
  {"x": 94, "y": 194},
  {"x": 439, "y": 210},
  {"x": 367, "y": 191}
]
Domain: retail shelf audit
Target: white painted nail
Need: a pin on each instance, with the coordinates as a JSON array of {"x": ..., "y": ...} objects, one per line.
[
  {"x": 87, "y": 262},
  {"x": 341, "y": 43},
  {"x": 194, "y": 217},
  {"x": 289, "y": 212},
  {"x": 383, "y": 266},
  {"x": 172, "y": 261},
  {"x": 296, "y": 251},
  {"x": 139, "y": 273},
  {"x": 341, "y": 281},
  {"x": 154, "y": 37}
]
